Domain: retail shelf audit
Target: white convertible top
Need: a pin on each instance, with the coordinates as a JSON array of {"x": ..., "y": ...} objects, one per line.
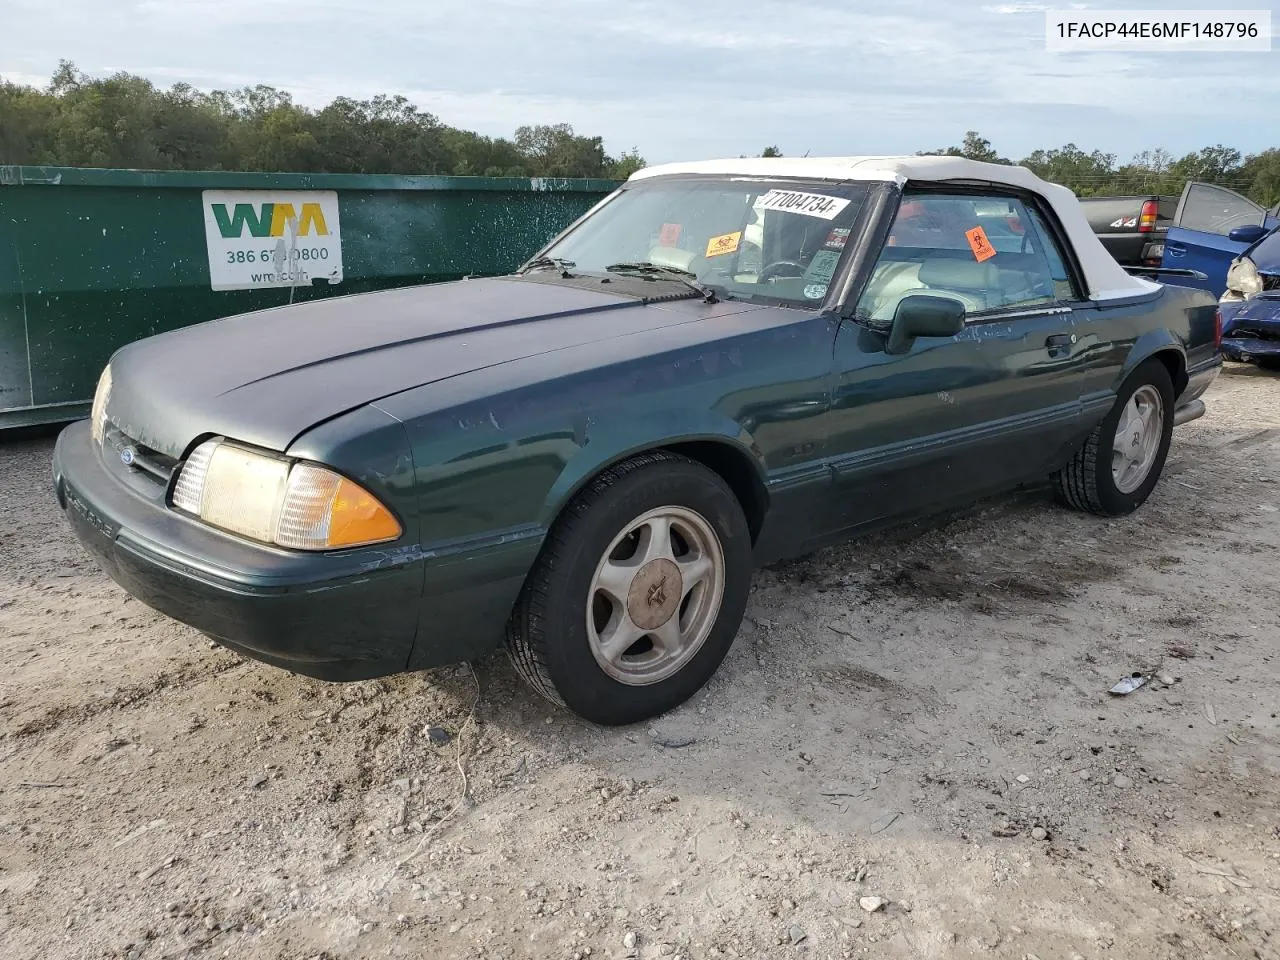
[{"x": 1106, "y": 279}]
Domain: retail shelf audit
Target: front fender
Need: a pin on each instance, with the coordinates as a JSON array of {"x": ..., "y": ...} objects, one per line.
[
  {"x": 486, "y": 513},
  {"x": 610, "y": 443}
]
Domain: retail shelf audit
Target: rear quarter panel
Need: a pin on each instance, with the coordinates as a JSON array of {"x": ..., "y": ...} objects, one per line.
[{"x": 1174, "y": 323}]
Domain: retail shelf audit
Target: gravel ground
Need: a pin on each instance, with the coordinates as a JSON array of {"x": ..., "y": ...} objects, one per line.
[{"x": 918, "y": 724}]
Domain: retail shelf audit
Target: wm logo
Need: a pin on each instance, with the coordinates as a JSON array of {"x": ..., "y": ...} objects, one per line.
[{"x": 268, "y": 219}]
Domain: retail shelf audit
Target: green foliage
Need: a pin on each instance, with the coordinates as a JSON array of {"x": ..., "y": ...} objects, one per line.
[
  {"x": 1069, "y": 164},
  {"x": 125, "y": 121},
  {"x": 975, "y": 147},
  {"x": 625, "y": 165},
  {"x": 1262, "y": 171},
  {"x": 1155, "y": 172},
  {"x": 555, "y": 151}
]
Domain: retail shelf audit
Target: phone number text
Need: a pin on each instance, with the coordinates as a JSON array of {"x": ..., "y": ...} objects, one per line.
[{"x": 269, "y": 256}]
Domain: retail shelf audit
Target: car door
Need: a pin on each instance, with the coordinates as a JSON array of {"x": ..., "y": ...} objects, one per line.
[
  {"x": 1200, "y": 237},
  {"x": 953, "y": 418}
]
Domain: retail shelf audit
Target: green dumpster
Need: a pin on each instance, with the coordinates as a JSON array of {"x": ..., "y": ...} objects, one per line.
[{"x": 93, "y": 259}]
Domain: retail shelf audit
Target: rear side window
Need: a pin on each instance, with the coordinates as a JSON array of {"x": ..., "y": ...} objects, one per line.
[{"x": 990, "y": 253}]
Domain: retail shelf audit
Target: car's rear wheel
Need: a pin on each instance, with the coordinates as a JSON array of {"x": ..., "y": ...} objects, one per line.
[
  {"x": 1118, "y": 466},
  {"x": 638, "y": 592}
]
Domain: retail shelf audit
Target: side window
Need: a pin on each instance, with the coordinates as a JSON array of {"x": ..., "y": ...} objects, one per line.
[
  {"x": 1214, "y": 210},
  {"x": 987, "y": 252},
  {"x": 1058, "y": 273}
]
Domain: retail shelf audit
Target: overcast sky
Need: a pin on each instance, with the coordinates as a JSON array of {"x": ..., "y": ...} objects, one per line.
[{"x": 686, "y": 79}]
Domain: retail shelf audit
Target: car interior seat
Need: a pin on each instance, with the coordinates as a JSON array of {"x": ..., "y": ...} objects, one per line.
[
  {"x": 891, "y": 281},
  {"x": 672, "y": 257},
  {"x": 976, "y": 285}
]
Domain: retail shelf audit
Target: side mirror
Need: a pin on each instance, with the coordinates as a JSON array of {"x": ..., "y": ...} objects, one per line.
[
  {"x": 924, "y": 315},
  {"x": 1248, "y": 234}
]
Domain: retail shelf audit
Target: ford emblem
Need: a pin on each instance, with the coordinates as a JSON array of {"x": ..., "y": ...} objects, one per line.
[{"x": 127, "y": 455}]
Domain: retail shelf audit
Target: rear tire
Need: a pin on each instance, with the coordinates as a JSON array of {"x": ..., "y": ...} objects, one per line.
[
  {"x": 638, "y": 592},
  {"x": 1118, "y": 466}
]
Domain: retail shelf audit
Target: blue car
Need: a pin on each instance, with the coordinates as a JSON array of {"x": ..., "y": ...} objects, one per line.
[{"x": 1235, "y": 243}]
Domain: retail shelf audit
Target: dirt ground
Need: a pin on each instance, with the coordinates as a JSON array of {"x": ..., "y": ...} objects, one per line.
[{"x": 922, "y": 718}]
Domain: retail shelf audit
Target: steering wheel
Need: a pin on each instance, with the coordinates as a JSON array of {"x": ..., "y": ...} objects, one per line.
[{"x": 768, "y": 272}]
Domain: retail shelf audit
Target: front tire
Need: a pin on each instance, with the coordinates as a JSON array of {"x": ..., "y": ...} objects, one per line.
[
  {"x": 638, "y": 592},
  {"x": 1118, "y": 466}
]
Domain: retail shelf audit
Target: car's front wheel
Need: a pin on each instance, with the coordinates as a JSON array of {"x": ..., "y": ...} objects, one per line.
[
  {"x": 638, "y": 592},
  {"x": 1120, "y": 463}
]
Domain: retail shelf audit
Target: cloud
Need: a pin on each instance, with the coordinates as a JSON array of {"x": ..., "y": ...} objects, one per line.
[
  {"x": 676, "y": 79},
  {"x": 1006, "y": 9},
  {"x": 38, "y": 80}
]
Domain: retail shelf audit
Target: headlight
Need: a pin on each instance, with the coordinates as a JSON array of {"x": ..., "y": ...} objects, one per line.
[
  {"x": 98, "y": 412},
  {"x": 299, "y": 505},
  {"x": 1243, "y": 280}
]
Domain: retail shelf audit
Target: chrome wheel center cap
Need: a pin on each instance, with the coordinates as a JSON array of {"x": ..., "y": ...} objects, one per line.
[{"x": 655, "y": 593}]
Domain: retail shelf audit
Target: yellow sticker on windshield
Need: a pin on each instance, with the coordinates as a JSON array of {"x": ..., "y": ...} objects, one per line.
[{"x": 725, "y": 243}]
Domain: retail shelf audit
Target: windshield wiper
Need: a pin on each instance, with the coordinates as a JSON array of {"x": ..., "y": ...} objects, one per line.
[
  {"x": 644, "y": 268},
  {"x": 545, "y": 263}
]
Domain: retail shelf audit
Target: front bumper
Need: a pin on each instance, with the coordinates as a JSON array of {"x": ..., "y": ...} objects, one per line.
[
  {"x": 1251, "y": 328},
  {"x": 347, "y": 615}
]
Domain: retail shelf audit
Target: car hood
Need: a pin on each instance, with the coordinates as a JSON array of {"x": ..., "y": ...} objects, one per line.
[
  {"x": 265, "y": 377},
  {"x": 1265, "y": 253}
]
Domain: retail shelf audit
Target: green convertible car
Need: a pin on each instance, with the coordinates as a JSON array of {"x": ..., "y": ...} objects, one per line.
[{"x": 722, "y": 364}]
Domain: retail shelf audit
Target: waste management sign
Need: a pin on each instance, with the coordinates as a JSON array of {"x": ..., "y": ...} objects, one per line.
[{"x": 272, "y": 238}]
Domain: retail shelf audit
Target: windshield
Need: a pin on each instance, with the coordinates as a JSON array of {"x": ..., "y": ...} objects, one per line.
[{"x": 743, "y": 239}]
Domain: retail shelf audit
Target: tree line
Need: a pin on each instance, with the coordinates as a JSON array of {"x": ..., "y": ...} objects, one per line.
[
  {"x": 125, "y": 121},
  {"x": 1156, "y": 171}
]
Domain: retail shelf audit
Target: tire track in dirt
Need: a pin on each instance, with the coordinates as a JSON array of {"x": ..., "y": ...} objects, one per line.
[{"x": 135, "y": 697}]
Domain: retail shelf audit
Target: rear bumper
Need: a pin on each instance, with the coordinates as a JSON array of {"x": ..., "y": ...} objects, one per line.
[
  {"x": 1193, "y": 410},
  {"x": 1246, "y": 349},
  {"x": 337, "y": 616},
  {"x": 1200, "y": 377}
]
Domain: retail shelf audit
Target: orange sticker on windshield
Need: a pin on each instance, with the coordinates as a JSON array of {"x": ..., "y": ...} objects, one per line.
[
  {"x": 725, "y": 243},
  {"x": 979, "y": 244},
  {"x": 669, "y": 235}
]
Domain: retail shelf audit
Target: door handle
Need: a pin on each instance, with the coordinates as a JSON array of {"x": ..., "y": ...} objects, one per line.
[
  {"x": 1174, "y": 249},
  {"x": 1059, "y": 344}
]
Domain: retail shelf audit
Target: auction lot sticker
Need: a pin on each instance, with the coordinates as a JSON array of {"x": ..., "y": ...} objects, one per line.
[
  {"x": 272, "y": 238},
  {"x": 810, "y": 204}
]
